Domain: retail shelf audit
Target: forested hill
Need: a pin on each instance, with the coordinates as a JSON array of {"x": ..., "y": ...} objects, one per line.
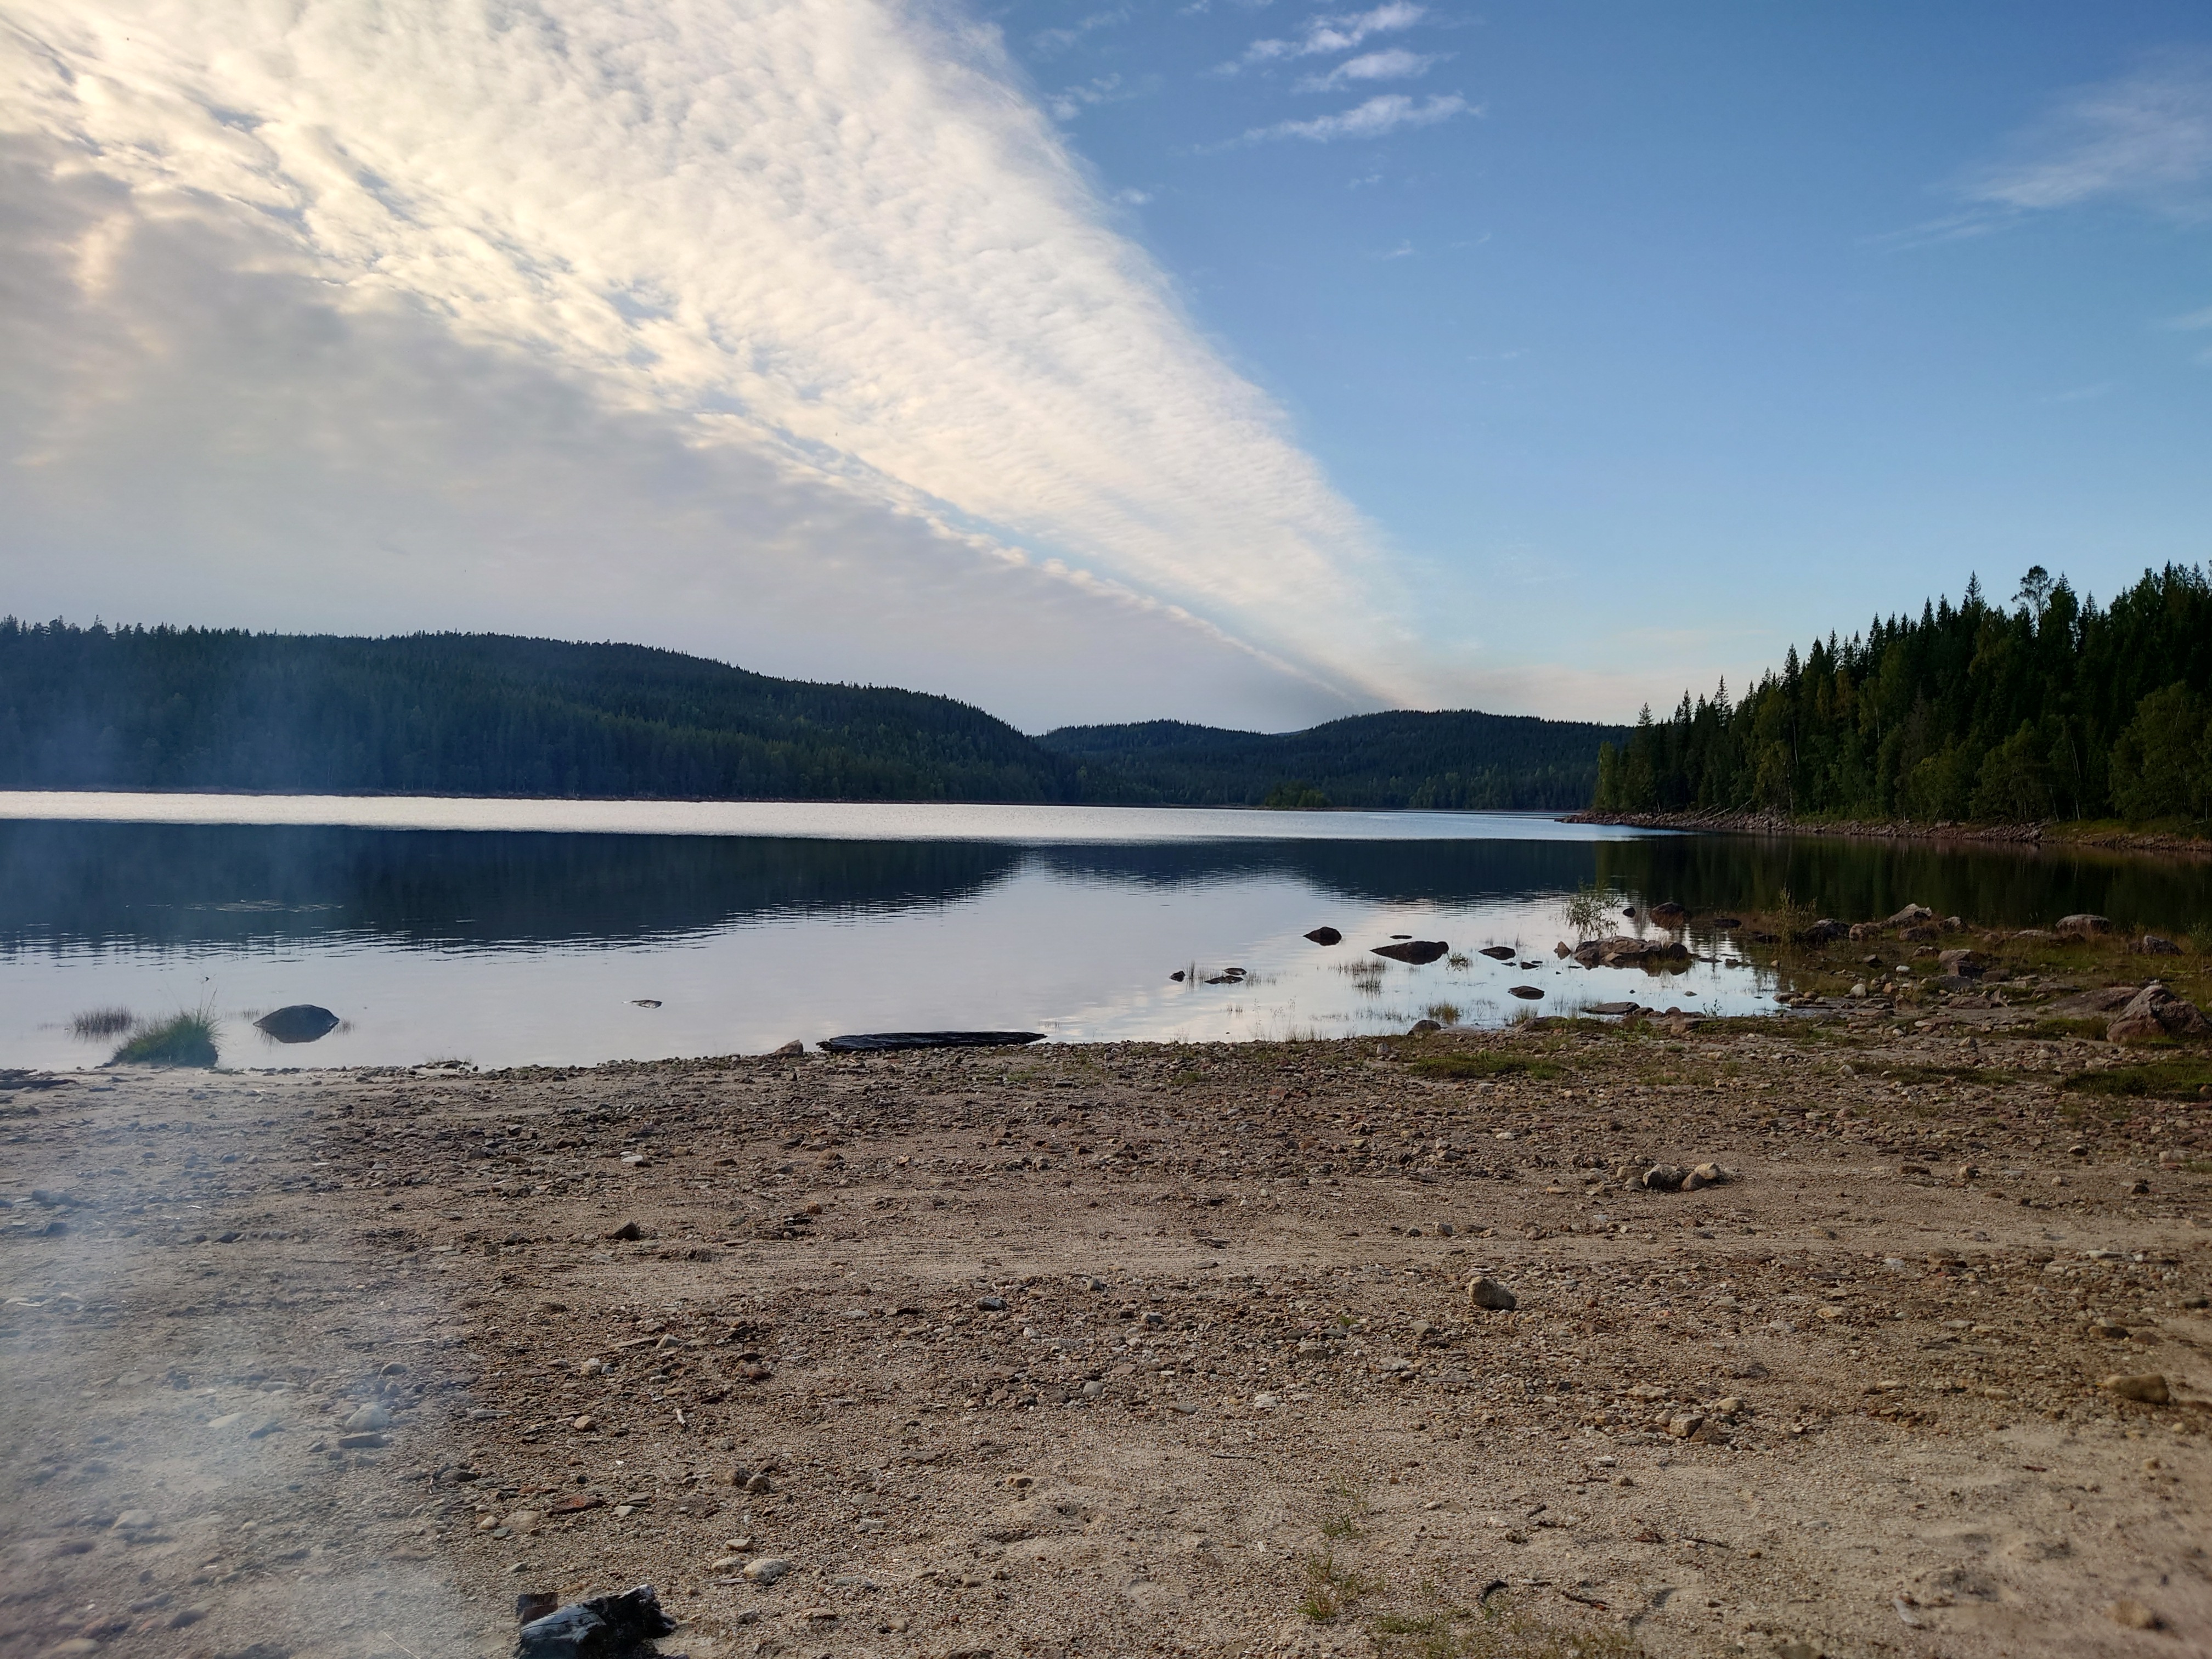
[
  {"x": 2049, "y": 707},
  {"x": 477, "y": 714},
  {"x": 489, "y": 715},
  {"x": 1457, "y": 759}
]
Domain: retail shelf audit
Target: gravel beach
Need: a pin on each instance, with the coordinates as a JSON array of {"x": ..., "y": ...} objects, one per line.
[{"x": 1124, "y": 1349}]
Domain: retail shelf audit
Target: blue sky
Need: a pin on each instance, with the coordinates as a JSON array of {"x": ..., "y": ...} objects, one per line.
[
  {"x": 1711, "y": 322},
  {"x": 1248, "y": 363}
]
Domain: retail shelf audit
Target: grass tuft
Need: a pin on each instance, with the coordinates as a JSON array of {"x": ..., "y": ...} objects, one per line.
[
  {"x": 1486, "y": 1065},
  {"x": 186, "y": 1038},
  {"x": 102, "y": 1022},
  {"x": 2164, "y": 1080}
]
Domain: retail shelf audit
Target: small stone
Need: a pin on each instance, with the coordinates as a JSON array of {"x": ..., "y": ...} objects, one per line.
[
  {"x": 368, "y": 1418},
  {"x": 1093, "y": 1388},
  {"x": 1665, "y": 1177},
  {"x": 523, "y": 1520},
  {"x": 1488, "y": 1293},
  {"x": 992, "y": 1303},
  {"x": 759, "y": 1483},
  {"x": 1687, "y": 1423},
  {"x": 629, "y": 1230},
  {"x": 2148, "y": 1388},
  {"x": 766, "y": 1569},
  {"x": 1264, "y": 1402},
  {"x": 2133, "y": 1615},
  {"x": 728, "y": 1564},
  {"x": 135, "y": 1520},
  {"x": 72, "y": 1648}
]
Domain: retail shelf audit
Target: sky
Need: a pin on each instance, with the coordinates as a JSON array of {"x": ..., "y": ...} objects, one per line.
[{"x": 1227, "y": 360}]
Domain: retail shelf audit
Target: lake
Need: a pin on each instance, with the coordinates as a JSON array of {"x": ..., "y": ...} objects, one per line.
[{"x": 504, "y": 933}]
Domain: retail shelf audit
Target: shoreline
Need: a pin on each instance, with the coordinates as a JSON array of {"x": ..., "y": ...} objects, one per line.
[
  {"x": 2052, "y": 835},
  {"x": 1121, "y": 1347}
]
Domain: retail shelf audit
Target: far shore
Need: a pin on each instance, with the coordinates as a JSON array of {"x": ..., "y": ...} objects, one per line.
[{"x": 2101, "y": 834}]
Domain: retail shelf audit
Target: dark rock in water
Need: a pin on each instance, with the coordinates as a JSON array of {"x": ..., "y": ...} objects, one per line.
[
  {"x": 1423, "y": 1028},
  {"x": 1417, "y": 951},
  {"x": 1668, "y": 913},
  {"x": 1628, "y": 910},
  {"x": 607, "y": 1627},
  {"x": 1527, "y": 993},
  {"x": 1621, "y": 1008},
  {"x": 1326, "y": 936},
  {"x": 1498, "y": 952},
  {"x": 877, "y": 1042},
  {"x": 1178, "y": 976},
  {"x": 645, "y": 1002},
  {"x": 1727, "y": 923},
  {"x": 302, "y": 1021}
]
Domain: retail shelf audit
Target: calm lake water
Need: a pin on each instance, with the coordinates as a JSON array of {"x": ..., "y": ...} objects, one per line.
[{"x": 511, "y": 932}]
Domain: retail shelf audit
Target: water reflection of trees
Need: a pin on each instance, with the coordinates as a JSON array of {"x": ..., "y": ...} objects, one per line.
[
  {"x": 1862, "y": 880},
  {"x": 173, "y": 885}
]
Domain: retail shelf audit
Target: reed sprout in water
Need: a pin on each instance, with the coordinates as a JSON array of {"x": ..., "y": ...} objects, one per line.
[
  {"x": 186, "y": 1038},
  {"x": 102, "y": 1022}
]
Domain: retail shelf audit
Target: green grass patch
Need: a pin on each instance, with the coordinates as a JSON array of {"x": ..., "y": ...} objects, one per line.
[
  {"x": 1486, "y": 1065},
  {"x": 183, "y": 1039},
  {"x": 2064, "y": 1030},
  {"x": 1330, "y": 1590},
  {"x": 2164, "y": 1080}
]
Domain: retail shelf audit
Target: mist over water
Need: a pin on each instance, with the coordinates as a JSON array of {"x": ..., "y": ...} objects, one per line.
[{"x": 503, "y": 946}]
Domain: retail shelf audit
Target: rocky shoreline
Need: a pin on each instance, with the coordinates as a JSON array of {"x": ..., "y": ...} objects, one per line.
[{"x": 1387, "y": 1348}]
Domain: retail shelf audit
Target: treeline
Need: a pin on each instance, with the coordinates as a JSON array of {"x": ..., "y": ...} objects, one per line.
[
  {"x": 2050, "y": 706},
  {"x": 170, "y": 709},
  {"x": 165, "y": 708},
  {"x": 1456, "y": 761}
]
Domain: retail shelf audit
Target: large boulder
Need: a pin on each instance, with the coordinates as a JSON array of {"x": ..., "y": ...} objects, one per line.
[
  {"x": 1623, "y": 951},
  {"x": 1911, "y": 916},
  {"x": 2156, "y": 1013},
  {"x": 1417, "y": 951},
  {"x": 2083, "y": 926},
  {"x": 1326, "y": 936},
  {"x": 1826, "y": 930},
  {"x": 300, "y": 1022},
  {"x": 1967, "y": 964}
]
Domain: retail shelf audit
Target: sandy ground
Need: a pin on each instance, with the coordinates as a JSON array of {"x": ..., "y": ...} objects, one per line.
[{"x": 1117, "y": 1350}]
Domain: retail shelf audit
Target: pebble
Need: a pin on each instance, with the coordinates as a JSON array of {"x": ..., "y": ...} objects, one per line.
[
  {"x": 523, "y": 1520},
  {"x": 367, "y": 1418},
  {"x": 1490, "y": 1294},
  {"x": 2149, "y": 1387},
  {"x": 2133, "y": 1615},
  {"x": 767, "y": 1569}
]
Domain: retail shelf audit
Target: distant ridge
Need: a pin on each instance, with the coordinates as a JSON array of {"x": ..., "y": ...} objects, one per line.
[
  {"x": 1458, "y": 759},
  {"x": 170, "y": 709}
]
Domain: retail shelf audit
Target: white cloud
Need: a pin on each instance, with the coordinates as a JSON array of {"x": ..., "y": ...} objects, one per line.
[
  {"x": 1395, "y": 64},
  {"x": 1051, "y": 43},
  {"x": 1324, "y": 35},
  {"x": 2146, "y": 136},
  {"x": 1371, "y": 119},
  {"x": 815, "y": 261}
]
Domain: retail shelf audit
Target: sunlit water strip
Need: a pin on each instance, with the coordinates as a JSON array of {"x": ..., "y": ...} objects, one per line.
[{"x": 802, "y": 820}]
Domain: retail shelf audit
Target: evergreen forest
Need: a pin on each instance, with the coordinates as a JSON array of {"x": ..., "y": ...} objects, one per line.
[
  {"x": 170, "y": 708},
  {"x": 2049, "y": 707}
]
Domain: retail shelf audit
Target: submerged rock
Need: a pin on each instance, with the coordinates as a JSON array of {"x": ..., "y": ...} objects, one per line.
[
  {"x": 299, "y": 1021},
  {"x": 1418, "y": 951},
  {"x": 1326, "y": 936}
]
